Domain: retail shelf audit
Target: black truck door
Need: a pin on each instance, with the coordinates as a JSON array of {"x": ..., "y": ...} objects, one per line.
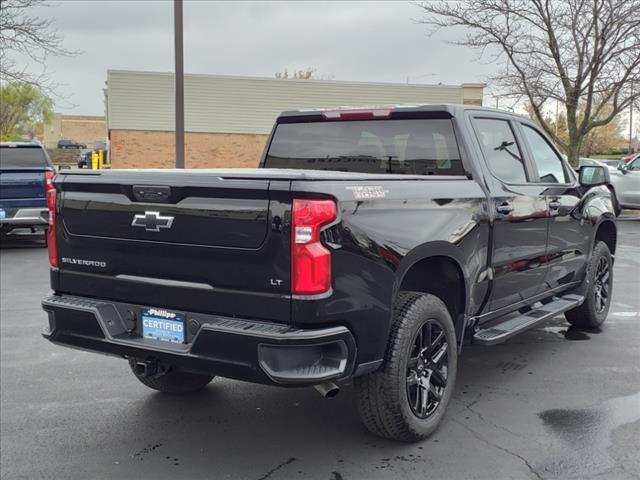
[
  {"x": 568, "y": 240},
  {"x": 520, "y": 208}
]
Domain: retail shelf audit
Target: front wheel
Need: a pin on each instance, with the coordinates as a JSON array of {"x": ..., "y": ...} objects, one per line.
[
  {"x": 406, "y": 399},
  {"x": 593, "y": 311}
]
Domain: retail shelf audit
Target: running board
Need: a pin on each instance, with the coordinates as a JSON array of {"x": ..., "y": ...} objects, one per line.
[{"x": 507, "y": 329}]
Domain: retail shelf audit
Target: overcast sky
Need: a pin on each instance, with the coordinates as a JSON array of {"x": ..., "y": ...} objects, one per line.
[{"x": 364, "y": 41}]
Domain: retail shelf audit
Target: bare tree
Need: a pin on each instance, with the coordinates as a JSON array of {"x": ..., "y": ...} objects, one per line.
[
  {"x": 24, "y": 35},
  {"x": 308, "y": 73},
  {"x": 301, "y": 74},
  {"x": 582, "y": 53}
]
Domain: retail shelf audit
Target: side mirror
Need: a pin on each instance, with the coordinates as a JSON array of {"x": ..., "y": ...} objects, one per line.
[
  {"x": 622, "y": 166},
  {"x": 594, "y": 175}
]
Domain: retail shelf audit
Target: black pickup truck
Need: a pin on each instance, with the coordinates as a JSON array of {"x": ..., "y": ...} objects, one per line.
[{"x": 369, "y": 245}]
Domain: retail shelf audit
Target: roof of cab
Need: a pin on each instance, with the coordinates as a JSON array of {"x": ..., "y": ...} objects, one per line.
[
  {"x": 21, "y": 144},
  {"x": 447, "y": 110}
]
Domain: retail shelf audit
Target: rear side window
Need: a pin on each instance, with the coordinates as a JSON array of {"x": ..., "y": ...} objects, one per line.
[
  {"x": 22, "y": 157},
  {"x": 501, "y": 149},
  {"x": 546, "y": 160},
  {"x": 411, "y": 147}
]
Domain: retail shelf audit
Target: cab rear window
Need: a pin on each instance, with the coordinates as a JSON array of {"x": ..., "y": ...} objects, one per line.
[
  {"x": 410, "y": 147},
  {"x": 22, "y": 157}
]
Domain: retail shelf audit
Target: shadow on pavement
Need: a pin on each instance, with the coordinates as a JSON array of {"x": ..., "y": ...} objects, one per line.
[
  {"x": 16, "y": 240},
  {"x": 297, "y": 433}
]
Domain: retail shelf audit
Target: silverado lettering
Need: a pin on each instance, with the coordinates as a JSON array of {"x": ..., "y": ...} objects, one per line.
[{"x": 82, "y": 261}]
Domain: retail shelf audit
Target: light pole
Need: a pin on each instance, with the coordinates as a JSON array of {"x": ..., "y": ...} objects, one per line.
[
  {"x": 630, "y": 125},
  {"x": 179, "y": 79}
]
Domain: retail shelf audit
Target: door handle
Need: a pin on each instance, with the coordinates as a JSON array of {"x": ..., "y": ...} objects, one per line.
[
  {"x": 554, "y": 205},
  {"x": 505, "y": 208}
]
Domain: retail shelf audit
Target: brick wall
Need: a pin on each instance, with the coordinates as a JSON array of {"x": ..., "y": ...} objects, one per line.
[
  {"x": 85, "y": 129},
  {"x": 150, "y": 149}
]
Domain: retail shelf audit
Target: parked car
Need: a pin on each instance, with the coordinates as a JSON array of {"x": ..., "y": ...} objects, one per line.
[
  {"x": 625, "y": 184},
  {"x": 583, "y": 161},
  {"x": 84, "y": 158},
  {"x": 612, "y": 164},
  {"x": 25, "y": 178},
  {"x": 631, "y": 156},
  {"x": 368, "y": 245},
  {"x": 64, "y": 144}
]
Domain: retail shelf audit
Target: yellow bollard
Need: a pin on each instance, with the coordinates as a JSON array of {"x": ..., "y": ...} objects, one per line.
[
  {"x": 100, "y": 159},
  {"x": 94, "y": 160}
]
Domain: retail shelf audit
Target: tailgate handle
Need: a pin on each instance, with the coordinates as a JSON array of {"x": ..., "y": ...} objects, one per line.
[{"x": 151, "y": 193}]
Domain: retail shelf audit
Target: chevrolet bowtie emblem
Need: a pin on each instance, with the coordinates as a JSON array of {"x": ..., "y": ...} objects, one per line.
[{"x": 152, "y": 221}]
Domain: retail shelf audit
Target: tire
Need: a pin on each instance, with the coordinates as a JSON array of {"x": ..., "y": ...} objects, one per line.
[
  {"x": 388, "y": 400},
  {"x": 593, "y": 311},
  {"x": 173, "y": 381}
]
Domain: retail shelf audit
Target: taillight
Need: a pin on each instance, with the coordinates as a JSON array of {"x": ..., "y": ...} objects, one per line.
[
  {"x": 357, "y": 114},
  {"x": 310, "y": 260},
  {"x": 52, "y": 242},
  {"x": 48, "y": 182}
]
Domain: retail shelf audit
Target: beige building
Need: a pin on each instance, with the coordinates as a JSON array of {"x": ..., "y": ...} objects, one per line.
[
  {"x": 86, "y": 129},
  {"x": 228, "y": 119}
]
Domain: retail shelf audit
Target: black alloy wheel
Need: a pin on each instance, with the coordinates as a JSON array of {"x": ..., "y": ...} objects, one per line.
[
  {"x": 597, "y": 288},
  {"x": 602, "y": 285},
  {"x": 427, "y": 369}
]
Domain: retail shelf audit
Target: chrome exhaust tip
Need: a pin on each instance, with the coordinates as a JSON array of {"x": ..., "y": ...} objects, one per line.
[{"x": 328, "y": 389}]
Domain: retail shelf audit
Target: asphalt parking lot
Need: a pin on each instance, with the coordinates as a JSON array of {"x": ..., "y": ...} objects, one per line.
[{"x": 551, "y": 403}]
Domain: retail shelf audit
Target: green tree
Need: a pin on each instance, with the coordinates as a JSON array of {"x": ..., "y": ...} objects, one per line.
[{"x": 22, "y": 106}]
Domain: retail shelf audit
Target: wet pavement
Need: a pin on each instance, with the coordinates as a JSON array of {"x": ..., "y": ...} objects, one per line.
[{"x": 554, "y": 402}]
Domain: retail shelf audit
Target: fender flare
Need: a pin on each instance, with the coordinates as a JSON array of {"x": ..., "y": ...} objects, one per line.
[
  {"x": 429, "y": 250},
  {"x": 614, "y": 200},
  {"x": 605, "y": 218}
]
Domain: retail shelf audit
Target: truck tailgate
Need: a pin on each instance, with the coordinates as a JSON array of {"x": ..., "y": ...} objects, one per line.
[
  {"x": 22, "y": 187},
  {"x": 185, "y": 239}
]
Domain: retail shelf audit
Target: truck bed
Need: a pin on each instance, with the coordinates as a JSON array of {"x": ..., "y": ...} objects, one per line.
[{"x": 151, "y": 175}]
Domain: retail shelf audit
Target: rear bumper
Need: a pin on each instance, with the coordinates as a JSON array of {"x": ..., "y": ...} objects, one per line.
[
  {"x": 25, "y": 217},
  {"x": 258, "y": 352}
]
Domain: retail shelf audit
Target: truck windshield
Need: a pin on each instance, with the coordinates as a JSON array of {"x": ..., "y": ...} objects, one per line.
[
  {"x": 22, "y": 157},
  {"x": 410, "y": 147}
]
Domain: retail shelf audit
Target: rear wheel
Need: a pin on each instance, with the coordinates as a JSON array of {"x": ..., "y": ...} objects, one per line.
[
  {"x": 593, "y": 312},
  {"x": 406, "y": 399},
  {"x": 169, "y": 380}
]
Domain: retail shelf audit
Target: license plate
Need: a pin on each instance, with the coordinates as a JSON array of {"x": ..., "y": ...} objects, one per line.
[{"x": 161, "y": 324}]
